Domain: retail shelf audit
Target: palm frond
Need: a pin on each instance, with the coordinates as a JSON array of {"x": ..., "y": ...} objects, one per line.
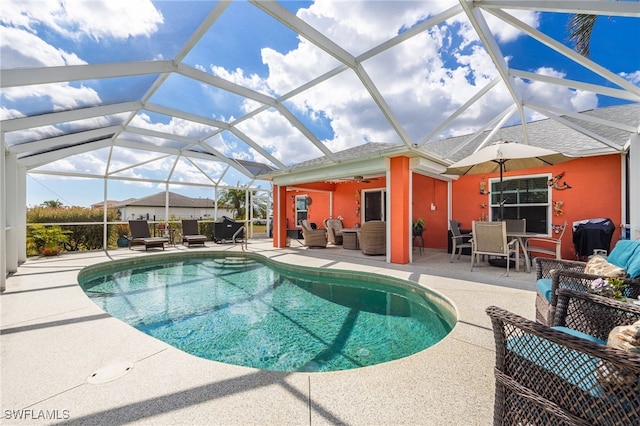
[{"x": 580, "y": 30}]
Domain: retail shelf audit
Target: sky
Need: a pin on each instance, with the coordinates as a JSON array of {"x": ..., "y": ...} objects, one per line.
[{"x": 424, "y": 79}]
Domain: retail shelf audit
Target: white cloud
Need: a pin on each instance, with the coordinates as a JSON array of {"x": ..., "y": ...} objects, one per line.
[
  {"x": 21, "y": 48},
  {"x": 63, "y": 96},
  {"x": 633, "y": 77},
  {"x": 558, "y": 96},
  {"x": 95, "y": 19},
  {"x": 177, "y": 126}
]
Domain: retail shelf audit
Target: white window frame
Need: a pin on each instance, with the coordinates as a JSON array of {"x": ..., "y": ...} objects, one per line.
[{"x": 548, "y": 204}]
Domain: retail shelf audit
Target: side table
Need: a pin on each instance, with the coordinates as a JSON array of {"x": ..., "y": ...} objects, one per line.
[{"x": 350, "y": 239}]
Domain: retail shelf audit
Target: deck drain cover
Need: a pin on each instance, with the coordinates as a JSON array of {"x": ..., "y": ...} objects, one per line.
[{"x": 110, "y": 372}]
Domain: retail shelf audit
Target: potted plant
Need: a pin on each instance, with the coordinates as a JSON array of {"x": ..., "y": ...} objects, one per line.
[
  {"x": 48, "y": 239},
  {"x": 123, "y": 231},
  {"x": 418, "y": 227}
]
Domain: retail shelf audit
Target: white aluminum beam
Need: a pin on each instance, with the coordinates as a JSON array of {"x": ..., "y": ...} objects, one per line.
[
  {"x": 305, "y": 131},
  {"x": 162, "y": 135},
  {"x": 66, "y": 73},
  {"x": 593, "y": 88},
  {"x": 305, "y": 30},
  {"x": 608, "y": 8},
  {"x": 38, "y": 160},
  {"x": 459, "y": 111},
  {"x": 53, "y": 118},
  {"x": 580, "y": 116},
  {"x": 223, "y": 84},
  {"x": 569, "y": 53},
  {"x": 172, "y": 112},
  {"x": 493, "y": 50},
  {"x": 70, "y": 139},
  {"x": 411, "y": 32},
  {"x": 246, "y": 139}
]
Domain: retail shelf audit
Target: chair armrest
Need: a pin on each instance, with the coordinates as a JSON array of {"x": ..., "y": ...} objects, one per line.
[
  {"x": 546, "y": 376},
  {"x": 545, "y": 265},
  {"x": 592, "y": 314},
  {"x": 579, "y": 281},
  {"x": 543, "y": 240}
]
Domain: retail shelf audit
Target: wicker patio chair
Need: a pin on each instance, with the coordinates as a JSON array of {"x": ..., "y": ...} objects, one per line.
[
  {"x": 373, "y": 237},
  {"x": 313, "y": 237},
  {"x": 553, "y": 274},
  {"x": 334, "y": 231},
  {"x": 490, "y": 239},
  {"x": 560, "y": 375}
]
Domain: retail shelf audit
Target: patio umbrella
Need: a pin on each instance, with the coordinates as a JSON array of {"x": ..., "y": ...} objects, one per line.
[{"x": 505, "y": 156}]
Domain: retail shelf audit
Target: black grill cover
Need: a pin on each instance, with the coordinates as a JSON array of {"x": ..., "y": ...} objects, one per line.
[
  {"x": 225, "y": 229},
  {"x": 590, "y": 234}
]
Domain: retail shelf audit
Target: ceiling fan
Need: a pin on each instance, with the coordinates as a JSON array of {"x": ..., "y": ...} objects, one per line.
[{"x": 360, "y": 179}]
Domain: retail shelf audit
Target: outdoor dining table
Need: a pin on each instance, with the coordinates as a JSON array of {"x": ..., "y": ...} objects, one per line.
[{"x": 522, "y": 237}]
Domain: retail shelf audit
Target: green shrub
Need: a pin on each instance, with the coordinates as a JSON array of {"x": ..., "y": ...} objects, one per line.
[{"x": 79, "y": 237}]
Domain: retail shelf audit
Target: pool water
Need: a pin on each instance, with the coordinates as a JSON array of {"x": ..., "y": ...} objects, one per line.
[{"x": 241, "y": 311}]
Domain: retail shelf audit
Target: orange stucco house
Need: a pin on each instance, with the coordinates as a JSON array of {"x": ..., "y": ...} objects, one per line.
[{"x": 411, "y": 185}]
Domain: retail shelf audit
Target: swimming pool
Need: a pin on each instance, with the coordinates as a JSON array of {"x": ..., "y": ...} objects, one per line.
[{"x": 247, "y": 310}]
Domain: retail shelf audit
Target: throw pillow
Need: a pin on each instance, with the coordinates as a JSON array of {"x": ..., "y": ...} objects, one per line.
[
  {"x": 599, "y": 266},
  {"x": 626, "y": 338}
]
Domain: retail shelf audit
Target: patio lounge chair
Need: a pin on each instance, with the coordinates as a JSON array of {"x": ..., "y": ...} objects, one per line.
[
  {"x": 490, "y": 239},
  {"x": 566, "y": 374},
  {"x": 313, "y": 237},
  {"x": 373, "y": 237},
  {"x": 334, "y": 231},
  {"x": 140, "y": 236},
  {"x": 190, "y": 233}
]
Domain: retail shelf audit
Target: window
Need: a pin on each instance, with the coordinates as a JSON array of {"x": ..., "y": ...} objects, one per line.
[
  {"x": 524, "y": 198},
  {"x": 375, "y": 202},
  {"x": 301, "y": 208}
]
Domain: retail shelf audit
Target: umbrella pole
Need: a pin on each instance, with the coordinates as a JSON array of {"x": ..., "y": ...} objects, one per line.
[{"x": 501, "y": 193}]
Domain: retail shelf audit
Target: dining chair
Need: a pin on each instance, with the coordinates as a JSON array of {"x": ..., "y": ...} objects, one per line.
[
  {"x": 490, "y": 239},
  {"x": 547, "y": 245},
  {"x": 516, "y": 225},
  {"x": 459, "y": 240}
]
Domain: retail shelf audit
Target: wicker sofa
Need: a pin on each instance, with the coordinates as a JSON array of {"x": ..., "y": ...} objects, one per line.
[
  {"x": 373, "y": 237},
  {"x": 566, "y": 374},
  {"x": 552, "y": 274}
]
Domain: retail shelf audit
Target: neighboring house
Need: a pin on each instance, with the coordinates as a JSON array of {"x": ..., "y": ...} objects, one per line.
[{"x": 153, "y": 207}]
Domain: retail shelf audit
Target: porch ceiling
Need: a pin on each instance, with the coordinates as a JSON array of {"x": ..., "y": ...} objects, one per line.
[{"x": 176, "y": 107}]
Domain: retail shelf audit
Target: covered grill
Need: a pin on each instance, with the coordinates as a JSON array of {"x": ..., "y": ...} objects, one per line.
[
  {"x": 225, "y": 229},
  {"x": 592, "y": 234}
]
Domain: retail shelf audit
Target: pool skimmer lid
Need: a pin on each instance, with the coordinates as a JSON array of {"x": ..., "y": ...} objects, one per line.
[{"x": 110, "y": 372}]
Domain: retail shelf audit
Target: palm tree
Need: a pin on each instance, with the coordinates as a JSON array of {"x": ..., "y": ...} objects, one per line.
[
  {"x": 580, "y": 30},
  {"x": 235, "y": 199},
  {"x": 53, "y": 204}
]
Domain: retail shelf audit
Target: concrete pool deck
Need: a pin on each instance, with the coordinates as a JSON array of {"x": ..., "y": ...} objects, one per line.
[{"x": 53, "y": 338}]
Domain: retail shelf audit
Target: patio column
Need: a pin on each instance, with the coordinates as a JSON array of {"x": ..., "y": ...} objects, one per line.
[
  {"x": 399, "y": 210},
  {"x": 10, "y": 224},
  {"x": 634, "y": 186},
  {"x": 279, "y": 216}
]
